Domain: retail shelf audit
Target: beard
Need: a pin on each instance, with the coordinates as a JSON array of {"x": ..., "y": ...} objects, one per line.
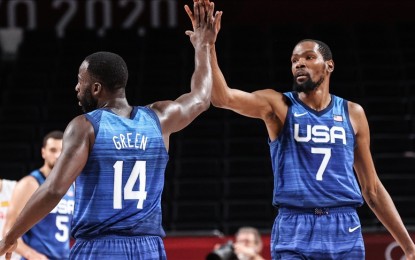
[
  {"x": 307, "y": 86},
  {"x": 88, "y": 103}
]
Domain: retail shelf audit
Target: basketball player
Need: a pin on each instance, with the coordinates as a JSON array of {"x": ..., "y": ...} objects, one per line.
[
  {"x": 315, "y": 139},
  {"x": 50, "y": 238},
  {"x": 118, "y": 154}
]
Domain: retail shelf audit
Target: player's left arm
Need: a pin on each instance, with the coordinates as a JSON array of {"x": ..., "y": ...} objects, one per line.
[{"x": 374, "y": 193}]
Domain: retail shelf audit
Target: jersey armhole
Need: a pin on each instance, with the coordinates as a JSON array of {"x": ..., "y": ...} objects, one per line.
[
  {"x": 154, "y": 116},
  {"x": 349, "y": 122},
  {"x": 93, "y": 122},
  {"x": 288, "y": 98},
  {"x": 40, "y": 178}
]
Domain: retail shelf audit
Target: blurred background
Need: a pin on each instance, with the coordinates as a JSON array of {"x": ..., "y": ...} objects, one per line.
[{"x": 219, "y": 175}]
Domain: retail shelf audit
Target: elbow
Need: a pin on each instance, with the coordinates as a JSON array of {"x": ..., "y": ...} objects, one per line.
[
  {"x": 54, "y": 192},
  {"x": 371, "y": 196},
  {"x": 204, "y": 104},
  {"x": 201, "y": 104}
]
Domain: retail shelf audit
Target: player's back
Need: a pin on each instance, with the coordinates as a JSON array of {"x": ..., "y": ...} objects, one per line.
[{"x": 119, "y": 190}]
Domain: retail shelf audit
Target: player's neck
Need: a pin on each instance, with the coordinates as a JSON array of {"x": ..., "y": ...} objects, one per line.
[
  {"x": 119, "y": 106},
  {"x": 45, "y": 170},
  {"x": 317, "y": 99}
]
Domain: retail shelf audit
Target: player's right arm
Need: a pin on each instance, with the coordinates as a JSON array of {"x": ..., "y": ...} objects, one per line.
[
  {"x": 257, "y": 104},
  {"x": 262, "y": 104},
  {"x": 78, "y": 140},
  {"x": 268, "y": 104}
]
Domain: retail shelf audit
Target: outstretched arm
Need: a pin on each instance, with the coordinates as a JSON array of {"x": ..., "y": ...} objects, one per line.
[
  {"x": 259, "y": 104},
  {"x": 373, "y": 190},
  {"x": 77, "y": 141},
  {"x": 266, "y": 104},
  {"x": 177, "y": 114}
]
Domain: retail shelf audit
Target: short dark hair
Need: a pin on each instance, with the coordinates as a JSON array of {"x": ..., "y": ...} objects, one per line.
[
  {"x": 58, "y": 135},
  {"x": 323, "y": 48},
  {"x": 108, "y": 68}
]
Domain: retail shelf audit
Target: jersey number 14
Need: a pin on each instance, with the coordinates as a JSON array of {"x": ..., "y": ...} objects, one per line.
[{"x": 138, "y": 172}]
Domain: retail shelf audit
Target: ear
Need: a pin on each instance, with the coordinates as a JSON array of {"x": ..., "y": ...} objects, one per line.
[
  {"x": 96, "y": 89},
  {"x": 42, "y": 152},
  {"x": 330, "y": 66}
]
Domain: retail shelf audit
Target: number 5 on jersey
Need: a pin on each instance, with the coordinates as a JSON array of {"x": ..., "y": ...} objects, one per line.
[{"x": 138, "y": 172}]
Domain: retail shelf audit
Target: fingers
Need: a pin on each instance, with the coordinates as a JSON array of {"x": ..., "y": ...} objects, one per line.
[
  {"x": 8, "y": 256},
  {"x": 196, "y": 11},
  {"x": 202, "y": 14},
  {"x": 210, "y": 14},
  {"x": 189, "y": 12},
  {"x": 189, "y": 33},
  {"x": 191, "y": 16},
  {"x": 217, "y": 20}
]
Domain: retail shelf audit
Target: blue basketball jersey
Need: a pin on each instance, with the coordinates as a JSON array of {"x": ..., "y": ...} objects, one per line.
[
  {"x": 51, "y": 235},
  {"x": 312, "y": 158},
  {"x": 119, "y": 190}
]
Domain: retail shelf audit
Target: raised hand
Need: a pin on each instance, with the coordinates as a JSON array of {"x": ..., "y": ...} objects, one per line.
[{"x": 205, "y": 26}]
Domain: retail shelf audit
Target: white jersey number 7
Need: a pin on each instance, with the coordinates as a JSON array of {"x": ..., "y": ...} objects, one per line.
[{"x": 323, "y": 165}]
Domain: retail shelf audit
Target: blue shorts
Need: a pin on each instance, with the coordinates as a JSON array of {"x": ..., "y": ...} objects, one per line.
[
  {"x": 114, "y": 247},
  {"x": 321, "y": 233}
]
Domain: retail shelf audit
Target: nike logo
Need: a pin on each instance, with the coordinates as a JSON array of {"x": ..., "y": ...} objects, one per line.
[
  {"x": 353, "y": 229},
  {"x": 298, "y": 115}
]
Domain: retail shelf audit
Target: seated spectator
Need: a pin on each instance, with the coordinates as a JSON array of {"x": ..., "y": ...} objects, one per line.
[{"x": 247, "y": 246}]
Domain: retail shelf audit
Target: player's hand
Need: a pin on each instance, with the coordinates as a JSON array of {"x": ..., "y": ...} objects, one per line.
[
  {"x": 410, "y": 256},
  {"x": 7, "y": 248},
  {"x": 192, "y": 17},
  {"x": 205, "y": 25}
]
